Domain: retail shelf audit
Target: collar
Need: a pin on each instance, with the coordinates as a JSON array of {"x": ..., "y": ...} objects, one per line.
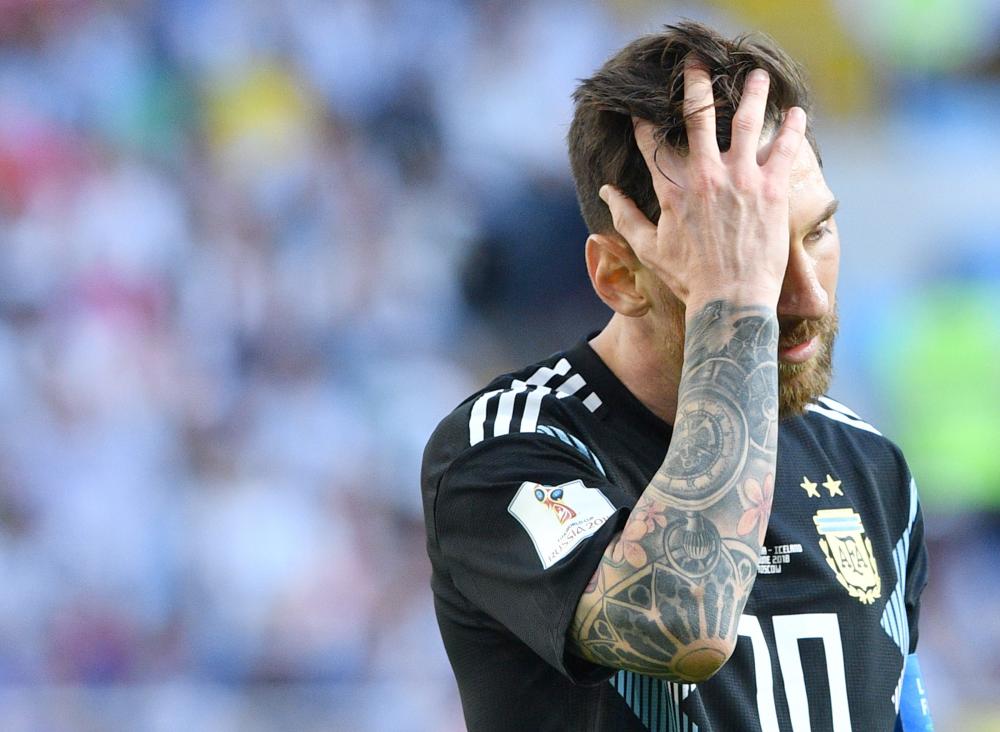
[{"x": 617, "y": 402}]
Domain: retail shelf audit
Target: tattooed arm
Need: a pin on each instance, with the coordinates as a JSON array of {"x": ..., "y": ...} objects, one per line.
[{"x": 667, "y": 596}]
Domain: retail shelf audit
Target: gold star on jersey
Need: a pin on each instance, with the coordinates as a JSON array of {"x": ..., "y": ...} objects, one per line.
[{"x": 833, "y": 486}]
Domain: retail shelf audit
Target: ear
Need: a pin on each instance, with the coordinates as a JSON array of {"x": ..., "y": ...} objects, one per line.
[{"x": 613, "y": 267}]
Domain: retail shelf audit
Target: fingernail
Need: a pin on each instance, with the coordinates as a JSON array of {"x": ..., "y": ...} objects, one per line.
[
  {"x": 603, "y": 192},
  {"x": 758, "y": 75}
]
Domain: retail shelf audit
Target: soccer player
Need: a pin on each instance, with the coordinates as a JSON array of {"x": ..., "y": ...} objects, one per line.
[{"x": 668, "y": 526}]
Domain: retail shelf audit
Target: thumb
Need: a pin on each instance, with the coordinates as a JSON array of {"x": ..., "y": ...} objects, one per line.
[{"x": 629, "y": 221}]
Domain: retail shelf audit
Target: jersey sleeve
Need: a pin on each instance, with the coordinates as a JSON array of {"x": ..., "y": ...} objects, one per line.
[{"x": 522, "y": 522}]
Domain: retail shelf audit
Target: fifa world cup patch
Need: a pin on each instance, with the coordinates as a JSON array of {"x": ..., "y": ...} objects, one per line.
[{"x": 558, "y": 518}]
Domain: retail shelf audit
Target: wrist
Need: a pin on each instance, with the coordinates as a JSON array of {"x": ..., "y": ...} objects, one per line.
[{"x": 760, "y": 299}]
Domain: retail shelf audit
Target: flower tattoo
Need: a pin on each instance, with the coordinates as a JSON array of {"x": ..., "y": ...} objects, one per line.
[
  {"x": 645, "y": 519},
  {"x": 760, "y": 498}
]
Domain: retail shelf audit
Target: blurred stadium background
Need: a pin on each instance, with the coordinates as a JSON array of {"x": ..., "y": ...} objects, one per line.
[{"x": 251, "y": 252}]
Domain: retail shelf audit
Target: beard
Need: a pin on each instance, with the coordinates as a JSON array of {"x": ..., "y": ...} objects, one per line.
[
  {"x": 798, "y": 383},
  {"x": 801, "y": 383}
]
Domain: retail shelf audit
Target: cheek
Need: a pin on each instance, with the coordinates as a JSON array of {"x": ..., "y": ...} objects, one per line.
[{"x": 828, "y": 267}]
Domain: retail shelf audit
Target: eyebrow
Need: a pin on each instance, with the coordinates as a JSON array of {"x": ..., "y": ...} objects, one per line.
[{"x": 830, "y": 210}]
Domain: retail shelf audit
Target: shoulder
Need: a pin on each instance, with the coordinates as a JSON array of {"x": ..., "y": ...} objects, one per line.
[
  {"x": 832, "y": 422},
  {"x": 549, "y": 401},
  {"x": 826, "y": 409},
  {"x": 517, "y": 402},
  {"x": 835, "y": 426}
]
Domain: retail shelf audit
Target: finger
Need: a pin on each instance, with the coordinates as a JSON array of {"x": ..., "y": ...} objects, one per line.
[
  {"x": 661, "y": 160},
  {"x": 786, "y": 144},
  {"x": 638, "y": 231},
  {"x": 645, "y": 141},
  {"x": 749, "y": 118},
  {"x": 699, "y": 111}
]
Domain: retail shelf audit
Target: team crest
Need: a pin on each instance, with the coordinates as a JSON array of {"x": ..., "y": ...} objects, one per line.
[{"x": 849, "y": 552}]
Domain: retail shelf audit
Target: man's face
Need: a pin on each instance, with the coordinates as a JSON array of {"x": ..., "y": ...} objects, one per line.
[{"x": 807, "y": 315}]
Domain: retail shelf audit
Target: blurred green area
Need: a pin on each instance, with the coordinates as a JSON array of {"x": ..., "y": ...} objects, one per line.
[{"x": 941, "y": 372}]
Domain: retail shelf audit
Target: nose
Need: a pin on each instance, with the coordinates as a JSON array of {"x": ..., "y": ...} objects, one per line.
[{"x": 802, "y": 294}]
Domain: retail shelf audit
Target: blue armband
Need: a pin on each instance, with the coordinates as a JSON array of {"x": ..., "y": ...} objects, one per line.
[{"x": 914, "y": 712}]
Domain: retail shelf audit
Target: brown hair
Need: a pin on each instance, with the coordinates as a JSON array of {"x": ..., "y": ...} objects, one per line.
[{"x": 646, "y": 79}]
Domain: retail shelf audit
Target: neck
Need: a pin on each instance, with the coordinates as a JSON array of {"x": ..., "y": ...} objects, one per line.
[{"x": 647, "y": 364}]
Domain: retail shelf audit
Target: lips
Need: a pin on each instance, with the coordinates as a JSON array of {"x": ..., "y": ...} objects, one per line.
[
  {"x": 798, "y": 352},
  {"x": 785, "y": 344}
]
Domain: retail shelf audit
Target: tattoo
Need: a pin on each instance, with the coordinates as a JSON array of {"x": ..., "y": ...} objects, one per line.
[{"x": 666, "y": 599}]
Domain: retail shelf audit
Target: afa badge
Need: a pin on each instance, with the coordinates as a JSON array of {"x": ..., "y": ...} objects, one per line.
[{"x": 849, "y": 552}]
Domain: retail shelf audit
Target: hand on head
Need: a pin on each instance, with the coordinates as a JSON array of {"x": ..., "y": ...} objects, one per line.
[{"x": 723, "y": 228}]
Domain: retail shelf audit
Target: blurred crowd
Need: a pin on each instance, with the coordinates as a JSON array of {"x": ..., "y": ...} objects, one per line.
[{"x": 250, "y": 254}]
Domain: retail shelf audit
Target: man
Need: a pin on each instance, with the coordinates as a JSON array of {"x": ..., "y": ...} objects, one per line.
[{"x": 668, "y": 526}]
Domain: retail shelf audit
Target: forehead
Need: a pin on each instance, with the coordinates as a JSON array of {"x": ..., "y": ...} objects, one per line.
[
  {"x": 808, "y": 191},
  {"x": 806, "y": 182},
  {"x": 805, "y": 170}
]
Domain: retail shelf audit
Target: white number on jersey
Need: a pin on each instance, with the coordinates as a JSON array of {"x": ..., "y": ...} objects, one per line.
[{"x": 788, "y": 631}]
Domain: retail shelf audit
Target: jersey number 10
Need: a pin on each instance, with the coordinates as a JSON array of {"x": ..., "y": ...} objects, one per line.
[{"x": 788, "y": 630}]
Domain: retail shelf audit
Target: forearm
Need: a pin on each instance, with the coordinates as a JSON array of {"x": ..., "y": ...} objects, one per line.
[{"x": 667, "y": 596}]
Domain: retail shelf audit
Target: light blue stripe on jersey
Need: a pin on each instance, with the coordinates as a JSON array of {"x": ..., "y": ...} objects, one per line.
[
  {"x": 573, "y": 442},
  {"x": 654, "y": 701},
  {"x": 894, "y": 620},
  {"x": 848, "y": 525}
]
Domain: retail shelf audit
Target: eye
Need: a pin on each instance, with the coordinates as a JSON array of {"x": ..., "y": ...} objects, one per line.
[
  {"x": 818, "y": 233},
  {"x": 557, "y": 493},
  {"x": 539, "y": 494}
]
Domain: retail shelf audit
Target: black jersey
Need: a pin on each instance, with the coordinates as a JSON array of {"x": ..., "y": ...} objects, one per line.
[{"x": 525, "y": 484}]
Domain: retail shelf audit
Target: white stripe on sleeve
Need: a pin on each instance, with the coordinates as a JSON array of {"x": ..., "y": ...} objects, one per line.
[
  {"x": 505, "y": 410},
  {"x": 532, "y": 406},
  {"x": 572, "y": 385},
  {"x": 477, "y": 419},
  {"x": 545, "y": 374}
]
